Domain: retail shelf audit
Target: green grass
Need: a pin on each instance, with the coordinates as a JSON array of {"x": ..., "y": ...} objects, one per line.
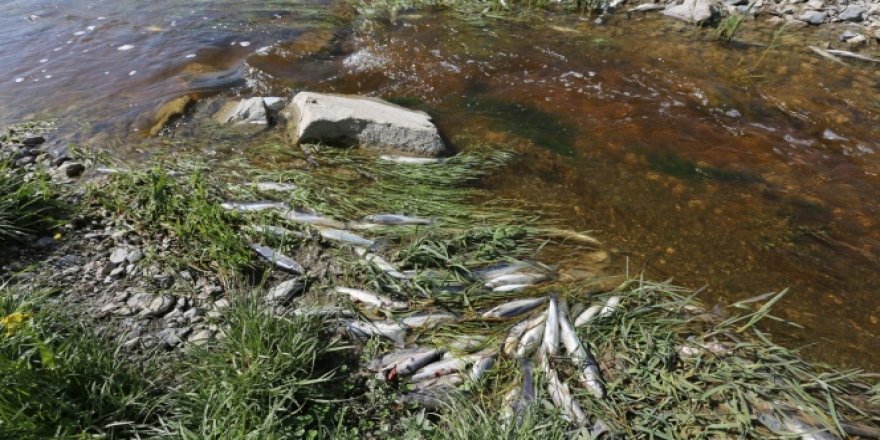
[
  {"x": 29, "y": 204},
  {"x": 184, "y": 208}
]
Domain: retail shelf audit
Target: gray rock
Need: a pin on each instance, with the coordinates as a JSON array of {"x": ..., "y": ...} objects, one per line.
[
  {"x": 72, "y": 169},
  {"x": 285, "y": 291},
  {"x": 852, "y": 13},
  {"x": 104, "y": 270},
  {"x": 366, "y": 122},
  {"x": 856, "y": 41},
  {"x": 173, "y": 336},
  {"x": 33, "y": 139},
  {"x": 119, "y": 271},
  {"x": 200, "y": 337},
  {"x": 694, "y": 11},
  {"x": 118, "y": 256},
  {"x": 249, "y": 113},
  {"x": 45, "y": 242},
  {"x": 813, "y": 17},
  {"x": 25, "y": 161},
  {"x": 815, "y": 4},
  {"x": 159, "y": 306}
]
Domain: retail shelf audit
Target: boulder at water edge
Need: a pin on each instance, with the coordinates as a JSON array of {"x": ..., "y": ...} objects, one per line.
[
  {"x": 251, "y": 114},
  {"x": 695, "y": 11},
  {"x": 362, "y": 121}
]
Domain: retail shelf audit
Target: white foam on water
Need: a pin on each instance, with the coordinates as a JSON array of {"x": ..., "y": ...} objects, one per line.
[
  {"x": 78, "y": 33},
  {"x": 244, "y": 43},
  {"x": 90, "y": 28},
  {"x": 48, "y": 76},
  {"x": 132, "y": 72},
  {"x": 18, "y": 80},
  {"x": 190, "y": 55},
  {"x": 44, "y": 60},
  {"x": 125, "y": 47}
]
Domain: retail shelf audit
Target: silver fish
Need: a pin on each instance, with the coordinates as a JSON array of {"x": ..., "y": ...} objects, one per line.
[
  {"x": 344, "y": 237},
  {"x": 610, "y": 306},
  {"x": 447, "y": 365},
  {"x": 514, "y": 308},
  {"x": 325, "y": 312},
  {"x": 278, "y": 259},
  {"x": 516, "y": 278},
  {"x": 275, "y": 186},
  {"x": 513, "y": 336},
  {"x": 646, "y": 8},
  {"x": 481, "y": 366},
  {"x": 252, "y": 206},
  {"x": 853, "y": 55},
  {"x": 587, "y": 315},
  {"x": 448, "y": 380},
  {"x": 561, "y": 396},
  {"x": 412, "y": 160},
  {"x": 371, "y": 298},
  {"x": 311, "y": 219},
  {"x": 589, "y": 372},
  {"x": 497, "y": 270},
  {"x": 395, "y": 357},
  {"x": 277, "y": 231},
  {"x": 381, "y": 263},
  {"x": 531, "y": 340},
  {"x": 467, "y": 343},
  {"x": 395, "y": 220},
  {"x": 430, "y": 319},
  {"x": 787, "y": 422},
  {"x": 528, "y": 392},
  {"x": 417, "y": 362},
  {"x": 391, "y": 330},
  {"x": 511, "y": 287},
  {"x": 550, "y": 344}
]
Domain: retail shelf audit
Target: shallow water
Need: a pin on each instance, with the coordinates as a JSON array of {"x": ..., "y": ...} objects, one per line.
[{"x": 727, "y": 165}]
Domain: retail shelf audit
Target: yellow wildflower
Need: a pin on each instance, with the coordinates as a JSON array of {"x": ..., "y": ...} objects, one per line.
[{"x": 14, "y": 322}]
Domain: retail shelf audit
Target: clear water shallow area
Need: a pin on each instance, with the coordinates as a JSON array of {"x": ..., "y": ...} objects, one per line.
[{"x": 742, "y": 167}]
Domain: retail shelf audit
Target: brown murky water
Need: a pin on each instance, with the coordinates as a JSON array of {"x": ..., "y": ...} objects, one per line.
[{"x": 735, "y": 166}]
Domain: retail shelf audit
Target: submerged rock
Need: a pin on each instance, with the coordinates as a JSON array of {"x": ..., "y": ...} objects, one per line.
[
  {"x": 362, "y": 121},
  {"x": 697, "y": 11},
  {"x": 168, "y": 111},
  {"x": 813, "y": 17},
  {"x": 251, "y": 113}
]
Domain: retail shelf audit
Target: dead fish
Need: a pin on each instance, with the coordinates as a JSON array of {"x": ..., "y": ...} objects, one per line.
[
  {"x": 853, "y": 55},
  {"x": 783, "y": 422},
  {"x": 252, "y": 206},
  {"x": 277, "y": 231},
  {"x": 514, "y": 308},
  {"x": 448, "y": 380},
  {"x": 363, "y": 330},
  {"x": 275, "y": 186},
  {"x": 278, "y": 259},
  {"x": 825, "y": 54},
  {"x": 447, "y": 365},
  {"x": 513, "y": 336},
  {"x": 561, "y": 397},
  {"x": 574, "y": 236},
  {"x": 516, "y": 278},
  {"x": 389, "y": 360},
  {"x": 371, "y": 298},
  {"x": 550, "y": 344},
  {"x": 381, "y": 263},
  {"x": 410, "y": 364},
  {"x": 491, "y": 272},
  {"x": 589, "y": 372},
  {"x": 610, "y": 306},
  {"x": 412, "y": 160},
  {"x": 587, "y": 315},
  {"x": 531, "y": 339},
  {"x": 396, "y": 220},
  {"x": 430, "y": 319},
  {"x": 467, "y": 344},
  {"x": 481, "y": 366},
  {"x": 345, "y": 237},
  {"x": 511, "y": 288},
  {"x": 528, "y": 392},
  {"x": 647, "y": 7},
  {"x": 311, "y": 219},
  {"x": 699, "y": 348}
]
